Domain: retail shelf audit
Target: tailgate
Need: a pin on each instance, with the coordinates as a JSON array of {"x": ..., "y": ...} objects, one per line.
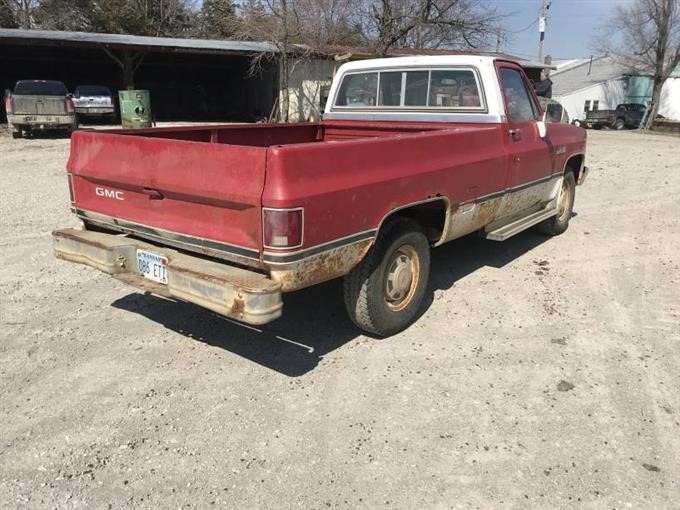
[
  {"x": 599, "y": 115},
  {"x": 38, "y": 105},
  {"x": 194, "y": 194}
]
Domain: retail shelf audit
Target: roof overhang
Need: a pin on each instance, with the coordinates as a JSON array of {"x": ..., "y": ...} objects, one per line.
[{"x": 133, "y": 42}]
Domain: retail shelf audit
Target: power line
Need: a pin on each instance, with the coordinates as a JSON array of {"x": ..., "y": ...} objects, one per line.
[{"x": 522, "y": 30}]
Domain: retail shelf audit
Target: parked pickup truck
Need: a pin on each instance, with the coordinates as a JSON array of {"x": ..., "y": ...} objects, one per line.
[
  {"x": 411, "y": 153},
  {"x": 36, "y": 105},
  {"x": 624, "y": 116},
  {"x": 94, "y": 101}
]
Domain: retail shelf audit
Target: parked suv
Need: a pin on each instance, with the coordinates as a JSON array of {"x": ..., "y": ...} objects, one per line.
[{"x": 39, "y": 105}]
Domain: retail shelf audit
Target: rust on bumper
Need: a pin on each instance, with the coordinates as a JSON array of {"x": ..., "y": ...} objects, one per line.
[{"x": 237, "y": 293}]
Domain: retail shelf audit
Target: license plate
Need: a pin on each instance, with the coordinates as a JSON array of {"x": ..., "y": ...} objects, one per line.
[
  {"x": 30, "y": 118},
  {"x": 153, "y": 266}
]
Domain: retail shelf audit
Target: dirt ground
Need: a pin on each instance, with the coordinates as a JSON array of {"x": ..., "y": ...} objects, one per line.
[{"x": 543, "y": 373}]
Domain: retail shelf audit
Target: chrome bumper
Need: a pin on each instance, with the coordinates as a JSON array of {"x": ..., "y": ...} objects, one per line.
[
  {"x": 56, "y": 121},
  {"x": 230, "y": 291}
]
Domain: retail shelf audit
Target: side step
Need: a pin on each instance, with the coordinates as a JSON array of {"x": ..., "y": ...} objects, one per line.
[{"x": 515, "y": 227}]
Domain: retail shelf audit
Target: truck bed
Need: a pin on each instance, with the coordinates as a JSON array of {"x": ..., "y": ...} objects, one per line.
[
  {"x": 266, "y": 135},
  {"x": 202, "y": 188}
]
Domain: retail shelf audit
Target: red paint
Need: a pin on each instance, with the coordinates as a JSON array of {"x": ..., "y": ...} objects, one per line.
[{"x": 212, "y": 181}]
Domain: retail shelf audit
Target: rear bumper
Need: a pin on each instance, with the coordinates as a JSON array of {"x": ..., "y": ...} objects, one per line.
[
  {"x": 597, "y": 123},
  {"x": 244, "y": 295},
  {"x": 95, "y": 110},
  {"x": 41, "y": 121}
]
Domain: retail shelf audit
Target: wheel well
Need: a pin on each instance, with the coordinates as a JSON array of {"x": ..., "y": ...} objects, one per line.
[
  {"x": 574, "y": 164},
  {"x": 430, "y": 215}
]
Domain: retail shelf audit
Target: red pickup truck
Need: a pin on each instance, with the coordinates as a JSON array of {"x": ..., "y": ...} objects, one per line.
[{"x": 412, "y": 152}]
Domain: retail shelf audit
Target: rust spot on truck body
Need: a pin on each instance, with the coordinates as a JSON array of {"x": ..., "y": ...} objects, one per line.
[{"x": 320, "y": 267}]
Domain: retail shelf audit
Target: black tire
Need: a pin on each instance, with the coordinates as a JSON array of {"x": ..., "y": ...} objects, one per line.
[
  {"x": 16, "y": 134},
  {"x": 565, "y": 203},
  {"x": 373, "y": 289},
  {"x": 618, "y": 124}
]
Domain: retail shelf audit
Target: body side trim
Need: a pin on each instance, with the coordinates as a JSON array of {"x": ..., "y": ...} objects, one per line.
[
  {"x": 157, "y": 233},
  {"x": 282, "y": 258}
]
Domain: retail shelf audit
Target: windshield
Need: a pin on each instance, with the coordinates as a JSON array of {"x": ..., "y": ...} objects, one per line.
[
  {"x": 92, "y": 90},
  {"x": 40, "y": 88}
]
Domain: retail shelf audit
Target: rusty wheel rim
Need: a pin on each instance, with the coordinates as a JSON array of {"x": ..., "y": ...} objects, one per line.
[
  {"x": 401, "y": 281},
  {"x": 564, "y": 201}
]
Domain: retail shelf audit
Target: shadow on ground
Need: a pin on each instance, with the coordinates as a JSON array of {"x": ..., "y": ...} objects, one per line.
[{"x": 314, "y": 322}]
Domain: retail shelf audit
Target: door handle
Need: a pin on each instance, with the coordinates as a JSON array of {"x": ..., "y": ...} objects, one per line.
[
  {"x": 154, "y": 194},
  {"x": 515, "y": 134}
]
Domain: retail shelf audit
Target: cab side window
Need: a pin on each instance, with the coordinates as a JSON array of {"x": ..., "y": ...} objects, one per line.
[
  {"x": 358, "y": 90},
  {"x": 520, "y": 105}
]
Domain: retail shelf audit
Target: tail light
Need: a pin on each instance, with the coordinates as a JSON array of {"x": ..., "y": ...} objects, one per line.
[
  {"x": 282, "y": 228},
  {"x": 69, "y": 105},
  {"x": 8, "y": 104}
]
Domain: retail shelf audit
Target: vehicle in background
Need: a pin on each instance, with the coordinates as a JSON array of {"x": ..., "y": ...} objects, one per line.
[
  {"x": 553, "y": 111},
  {"x": 627, "y": 115},
  {"x": 37, "y": 105},
  {"x": 94, "y": 101},
  {"x": 411, "y": 153}
]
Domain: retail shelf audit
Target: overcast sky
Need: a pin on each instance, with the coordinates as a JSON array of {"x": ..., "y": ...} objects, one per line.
[{"x": 571, "y": 26}]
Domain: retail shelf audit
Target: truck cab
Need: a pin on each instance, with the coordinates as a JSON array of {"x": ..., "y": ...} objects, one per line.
[{"x": 411, "y": 153}]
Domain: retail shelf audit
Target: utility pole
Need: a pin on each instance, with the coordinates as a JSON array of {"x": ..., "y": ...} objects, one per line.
[
  {"x": 498, "y": 39},
  {"x": 545, "y": 5}
]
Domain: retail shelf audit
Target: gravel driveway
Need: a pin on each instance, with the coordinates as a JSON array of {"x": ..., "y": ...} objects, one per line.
[{"x": 544, "y": 373}]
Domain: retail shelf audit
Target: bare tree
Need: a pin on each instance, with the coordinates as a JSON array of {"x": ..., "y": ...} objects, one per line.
[
  {"x": 296, "y": 29},
  {"x": 140, "y": 17},
  {"x": 649, "y": 35},
  {"x": 426, "y": 24},
  {"x": 19, "y": 13}
]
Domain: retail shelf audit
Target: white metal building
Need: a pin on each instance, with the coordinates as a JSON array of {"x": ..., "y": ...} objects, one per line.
[{"x": 602, "y": 84}]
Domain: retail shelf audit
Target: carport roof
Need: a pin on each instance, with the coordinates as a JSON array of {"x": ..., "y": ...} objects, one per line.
[{"x": 133, "y": 42}]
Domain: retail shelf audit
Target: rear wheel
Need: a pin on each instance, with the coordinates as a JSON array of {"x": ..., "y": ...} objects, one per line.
[
  {"x": 12, "y": 130},
  {"x": 565, "y": 205},
  {"x": 384, "y": 292},
  {"x": 619, "y": 124}
]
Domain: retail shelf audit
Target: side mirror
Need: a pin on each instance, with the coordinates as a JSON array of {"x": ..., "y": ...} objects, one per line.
[{"x": 542, "y": 130}]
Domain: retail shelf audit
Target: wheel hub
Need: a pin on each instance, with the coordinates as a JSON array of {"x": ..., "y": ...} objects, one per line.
[{"x": 402, "y": 277}]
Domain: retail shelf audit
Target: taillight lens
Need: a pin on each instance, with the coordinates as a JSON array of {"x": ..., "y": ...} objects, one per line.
[
  {"x": 282, "y": 227},
  {"x": 8, "y": 104},
  {"x": 69, "y": 105}
]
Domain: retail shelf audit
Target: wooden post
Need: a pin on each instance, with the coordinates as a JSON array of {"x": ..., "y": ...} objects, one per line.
[{"x": 129, "y": 62}]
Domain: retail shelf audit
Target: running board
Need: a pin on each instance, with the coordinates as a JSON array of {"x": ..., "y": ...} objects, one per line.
[{"x": 515, "y": 227}]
